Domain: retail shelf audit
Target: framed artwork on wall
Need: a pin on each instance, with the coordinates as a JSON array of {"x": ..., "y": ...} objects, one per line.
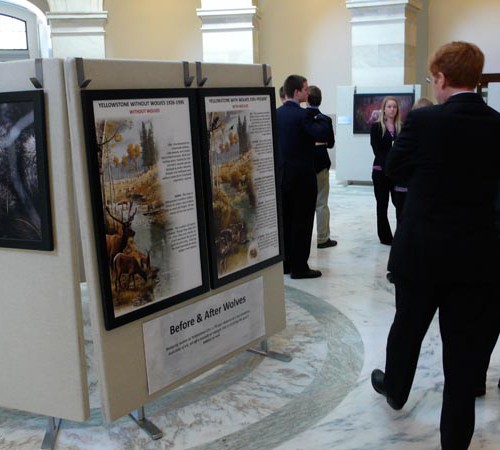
[
  {"x": 146, "y": 191},
  {"x": 367, "y": 109},
  {"x": 25, "y": 213},
  {"x": 239, "y": 162}
]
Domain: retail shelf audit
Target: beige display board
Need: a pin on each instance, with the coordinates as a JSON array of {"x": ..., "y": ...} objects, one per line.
[
  {"x": 120, "y": 355},
  {"x": 42, "y": 361}
]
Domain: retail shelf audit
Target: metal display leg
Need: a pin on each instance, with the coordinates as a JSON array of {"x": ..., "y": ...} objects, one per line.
[
  {"x": 149, "y": 428},
  {"x": 49, "y": 440},
  {"x": 264, "y": 351}
]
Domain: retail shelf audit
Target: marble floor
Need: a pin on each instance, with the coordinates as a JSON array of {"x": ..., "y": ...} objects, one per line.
[{"x": 322, "y": 399}]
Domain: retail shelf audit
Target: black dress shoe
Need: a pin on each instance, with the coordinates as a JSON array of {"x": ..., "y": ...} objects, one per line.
[
  {"x": 378, "y": 385},
  {"x": 386, "y": 242},
  {"x": 286, "y": 268},
  {"x": 390, "y": 277},
  {"x": 328, "y": 243},
  {"x": 306, "y": 274}
]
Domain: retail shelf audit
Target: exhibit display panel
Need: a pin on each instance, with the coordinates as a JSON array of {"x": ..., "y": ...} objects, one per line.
[
  {"x": 41, "y": 328},
  {"x": 145, "y": 180},
  {"x": 357, "y": 109},
  {"x": 120, "y": 352},
  {"x": 239, "y": 156}
]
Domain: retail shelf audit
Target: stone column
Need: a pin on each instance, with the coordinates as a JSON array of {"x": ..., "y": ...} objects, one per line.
[
  {"x": 230, "y": 31},
  {"x": 77, "y": 28},
  {"x": 384, "y": 41}
]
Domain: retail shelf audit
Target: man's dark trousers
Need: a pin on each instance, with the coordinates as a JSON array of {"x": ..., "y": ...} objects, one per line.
[
  {"x": 298, "y": 196},
  {"x": 465, "y": 346}
]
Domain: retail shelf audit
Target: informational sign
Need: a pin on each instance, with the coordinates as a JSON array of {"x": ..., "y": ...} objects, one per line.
[
  {"x": 142, "y": 153},
  {"x": 344, "y": 120},
  {"x": 190, "y": 338},
  {"x": 239, "y": 156}
]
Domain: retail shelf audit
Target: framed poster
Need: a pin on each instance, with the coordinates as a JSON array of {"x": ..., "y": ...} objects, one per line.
[
  {"x": 238, "y": 151},
  {"x": 144, "y": 174},
  {"x": 367, "y": 108},
  {"x": 25, "y": 213}
]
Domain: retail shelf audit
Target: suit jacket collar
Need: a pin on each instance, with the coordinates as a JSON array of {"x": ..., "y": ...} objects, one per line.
[
  {"x": 291, "y": 103},
  {"x": 466, "y": 97}
]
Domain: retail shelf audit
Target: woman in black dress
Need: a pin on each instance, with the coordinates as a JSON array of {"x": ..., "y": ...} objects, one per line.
[{"x": 382, "y": 135}]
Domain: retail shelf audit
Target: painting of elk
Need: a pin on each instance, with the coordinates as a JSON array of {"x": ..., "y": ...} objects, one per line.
[
  {"x": 126, "y": 262},
  {"x": 124, "y": 165},
  {"x": 128, "y": 265},
  {"x": 116, "y": 242}
]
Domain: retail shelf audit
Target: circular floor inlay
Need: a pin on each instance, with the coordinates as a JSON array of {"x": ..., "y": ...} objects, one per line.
[{"x": 250, "y": 402}]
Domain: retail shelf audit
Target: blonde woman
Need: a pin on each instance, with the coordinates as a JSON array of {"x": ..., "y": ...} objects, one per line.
[{"x": 382, "y": 135}]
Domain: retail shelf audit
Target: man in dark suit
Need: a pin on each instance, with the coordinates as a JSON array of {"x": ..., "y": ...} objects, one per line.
[
  {"x": 445, "y": 252},
  {"x": 297, "y": 133}
]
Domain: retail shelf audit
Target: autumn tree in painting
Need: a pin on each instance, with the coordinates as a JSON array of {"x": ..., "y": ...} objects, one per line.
[
  {"x": 109, "y": 134},
  {"x": 133, "y": 153}
]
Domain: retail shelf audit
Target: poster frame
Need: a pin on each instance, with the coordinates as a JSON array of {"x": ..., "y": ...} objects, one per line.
[
  {"x": 216, "y": 280},
  {"x": 112, "y": 321},
  {"x": 46, "y": 241},
  {"x": 363, "y": 127}
]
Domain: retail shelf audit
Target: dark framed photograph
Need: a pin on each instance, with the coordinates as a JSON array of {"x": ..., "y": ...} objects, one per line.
[
  {"x": 239, "y": 161},
  {"x": 25, "y": 213},
  {"x": 367, "y": 109},
  {"x": 145, "y": 182}
]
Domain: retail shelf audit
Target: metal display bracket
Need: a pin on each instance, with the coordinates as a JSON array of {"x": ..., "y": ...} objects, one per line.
[
  {"x": 200, "y": 79},
  {"x": 188, "y": 79},
  {"x": 49, "y": 440},
  {"x": 37, "y": 80},
  {"x": 264, "y": 351},
  {"x": 266, "y": 78},
  {"x": 146, "y": 425},
  {"x": 80, "y": 73}
]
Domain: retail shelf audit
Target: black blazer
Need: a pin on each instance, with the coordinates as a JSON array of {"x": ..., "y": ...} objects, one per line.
[
  {"x": 380, "y": 144},
  {"x": 297, "y": 133},
  {"x": 450, "y": 156},
  {"x": 321, "y": 157}
]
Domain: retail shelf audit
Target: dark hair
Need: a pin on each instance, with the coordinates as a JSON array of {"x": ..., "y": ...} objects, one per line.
[
  {"x": 314, "y": 96},
  {"x": 460, "y": 62},
  {"x": 282, "y": 92},
  {"x": 292, "y": 83}
]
